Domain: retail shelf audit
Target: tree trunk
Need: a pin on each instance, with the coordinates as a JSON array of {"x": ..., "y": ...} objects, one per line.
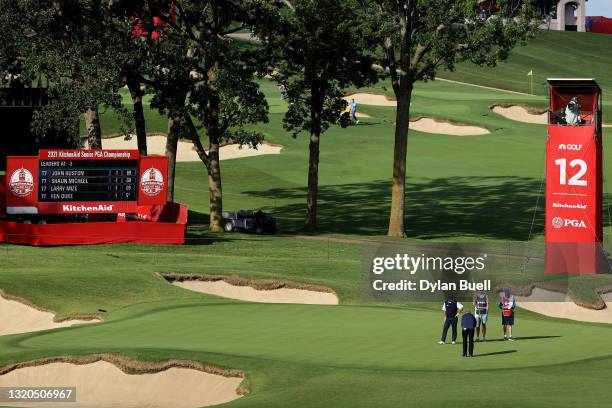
[
  {"x": 94, "y": 132},
  {"x": 174, "y": 125},
  {"x": 214, "y": 185},
  {"x": 402, "y": 122},
  {"x": 313, "y": 161},
  {"x": 139, "y": 119}
]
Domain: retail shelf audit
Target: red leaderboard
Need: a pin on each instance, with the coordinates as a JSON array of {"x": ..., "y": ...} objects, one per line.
[{"x": 66, "y": 181}]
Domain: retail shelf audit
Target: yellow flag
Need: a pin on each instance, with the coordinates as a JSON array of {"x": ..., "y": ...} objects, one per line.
[{"x": 530, "y": 73}]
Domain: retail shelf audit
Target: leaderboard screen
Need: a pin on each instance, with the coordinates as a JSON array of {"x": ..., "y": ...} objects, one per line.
[
  {"x": 87, "y": 180},
  {"x": 68, "y": 181}
]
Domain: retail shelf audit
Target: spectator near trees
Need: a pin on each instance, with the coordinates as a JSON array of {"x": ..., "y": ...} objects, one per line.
[{"x": 322, "y": 48}]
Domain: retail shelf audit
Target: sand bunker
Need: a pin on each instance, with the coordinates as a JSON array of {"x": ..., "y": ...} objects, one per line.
[
  {"x": 560, "y": 305},
  {"x": 428, "y": 125},
  {"x": 103, "y": 384},
  {"x": 371, "y": 99},
  {"x": 18, "y": 317},
  {"x": 251, "y": 290},
  {"x": 521, "y": 114},
  {"x": 156, "y": 145}
]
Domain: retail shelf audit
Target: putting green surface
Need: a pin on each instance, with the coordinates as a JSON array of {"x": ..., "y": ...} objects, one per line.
[{"x": 297, "y": 355}]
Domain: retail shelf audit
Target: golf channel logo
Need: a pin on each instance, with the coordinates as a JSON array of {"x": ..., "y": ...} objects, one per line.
[
  {"x": 575, "y": 147},
  {"x": 21, "y": 183},
  {"x": 559, "y": 222},
  {"x": 152, "y": 182}
]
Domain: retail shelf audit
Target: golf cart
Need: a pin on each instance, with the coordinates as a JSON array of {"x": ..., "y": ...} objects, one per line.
[{"x": 249, "y": 221}]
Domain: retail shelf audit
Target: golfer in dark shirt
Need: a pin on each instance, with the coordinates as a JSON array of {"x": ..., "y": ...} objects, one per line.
[{"x": 468, "y": 324}]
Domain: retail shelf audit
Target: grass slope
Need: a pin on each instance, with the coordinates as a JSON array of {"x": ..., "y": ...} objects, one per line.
[{"x": 551, "y": 54}]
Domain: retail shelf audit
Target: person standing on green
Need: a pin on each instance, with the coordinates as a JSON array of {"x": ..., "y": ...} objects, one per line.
[
  {"x": 507, "y": 306},
  {"x": 481, "y": 313},
  {"x": 450, "y": 310}
]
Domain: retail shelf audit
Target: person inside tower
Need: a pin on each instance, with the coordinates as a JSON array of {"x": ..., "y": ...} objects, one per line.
[{"x": 572, "y": 113}]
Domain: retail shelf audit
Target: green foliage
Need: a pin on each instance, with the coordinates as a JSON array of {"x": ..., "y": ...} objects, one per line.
[
  {"x": 69, "y": 45},
  {"x": 430, "y": 34},
  {"x": 322, "y": 48},
  {"x": 204, "y": 74}
]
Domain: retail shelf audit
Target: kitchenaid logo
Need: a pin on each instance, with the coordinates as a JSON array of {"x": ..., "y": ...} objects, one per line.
[
  {"x": 559, "y": 222},
  {"x": 564, "y": 146},
  {"x": 152, "y": 182},
  {"x": 21, "y": 183},
  {"x": 72, "y": 208},
  {"x": 572, "y": 206}
]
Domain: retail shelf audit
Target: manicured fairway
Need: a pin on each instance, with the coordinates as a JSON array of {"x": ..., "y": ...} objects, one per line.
[{"x": 477, "y": 188}]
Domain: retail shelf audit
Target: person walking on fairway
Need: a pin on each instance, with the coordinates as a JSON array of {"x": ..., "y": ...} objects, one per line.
[
  {"x": 481, "y": 313},
  {"x": 353, "y": 110},
  {"x": 450, "y": 309},
  {"x": 468, "y": 324},
  {"x": 507, "y": 306}
]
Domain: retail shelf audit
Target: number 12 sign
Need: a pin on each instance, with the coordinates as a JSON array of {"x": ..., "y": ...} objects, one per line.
[
  {"x": 573, "y": 185},
  {"x": 574, "y": 227}
]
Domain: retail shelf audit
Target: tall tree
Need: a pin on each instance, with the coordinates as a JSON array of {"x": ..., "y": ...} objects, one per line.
[
  {"x": 61, "y": 42},
  {"x": 210, "y": 89},
  {"x": 323, "y": 47},
  {"x": 419, "y": 37}
]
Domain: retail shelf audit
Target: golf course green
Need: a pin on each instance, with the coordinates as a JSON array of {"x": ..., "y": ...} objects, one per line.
[{"x": 485, "y": 188}]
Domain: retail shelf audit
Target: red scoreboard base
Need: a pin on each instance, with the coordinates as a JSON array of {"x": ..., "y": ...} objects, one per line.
[
  {"x": 169, "y": 228},
  {"x": 576, "y": 258}
]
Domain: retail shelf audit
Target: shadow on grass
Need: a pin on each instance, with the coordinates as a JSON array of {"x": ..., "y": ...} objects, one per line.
[
  {"x": 197, "y": 217},
  {"x": 205, "y": 238},
  {"x": 527, "y": 338},
  {"x": 485, "y": 207},
  {"x": 495, "y": 353}
]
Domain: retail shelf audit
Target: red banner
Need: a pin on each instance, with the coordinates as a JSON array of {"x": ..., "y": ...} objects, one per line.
[
  {"x": 94, "y": 207},
  {"x": 573, "y": 198},
  {"x": 74, "y": 154},
  {"x": 170, "y": 229},
  {"x": 153, "y": 180},
  {"x": 2, "y": 195},
  {"x": 22, "y": 185}
]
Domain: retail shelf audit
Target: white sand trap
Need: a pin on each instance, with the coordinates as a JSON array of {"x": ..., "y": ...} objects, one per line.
[
  {"x": 16, "y": 317},
  {"x": 102, "y": 384},
  {"x": 249, "y": 294},
  {"x": 521, "y": 114},
  {"x": 156, "y": 145},
  {"x": 371, "y": 99},
  {"x": 560, "y": 305},
  {"x": 428, "y": 125}
]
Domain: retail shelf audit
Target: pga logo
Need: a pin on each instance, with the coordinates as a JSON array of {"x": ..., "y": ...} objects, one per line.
[
  {"x": 21, "y": 183},
  {"x": 152, "y": 182},
  {"x": 559, "y": 222},
  {"x": 575, "y": 147}
]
